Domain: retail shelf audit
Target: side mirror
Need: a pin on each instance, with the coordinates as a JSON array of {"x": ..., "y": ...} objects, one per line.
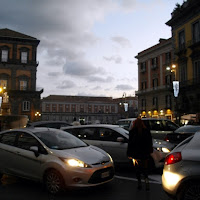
[
  {"x": 120, "y": 139},
  {"x": 35, "y": 150}
]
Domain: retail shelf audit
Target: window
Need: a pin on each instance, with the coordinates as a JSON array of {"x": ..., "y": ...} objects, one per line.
[
  {"x": 143, "y": 104},
  {"x": 168, "y": 101},
  {"x": 96, "y": 109},
  {"x": 24, "y": 57},
  {"x": 155, "y": 83},
  {"x": 54, "y": 108},
  {"x": 107, "y": 109},
  {"x": 168, "y": 80},
  {"x": 23, "y": 85},
  {"x": 196, "y": 32},
  {"x": 67, "y": 108},
  {"x": 155, "y": 101},
  {"x": 3, "y": 83},
  {"x": 154, "y": 62},
  {"x": 25, "y": 141},
  {"x": 168, "y": 57},
  {"x": 89, "y": 108},
  {"x": 143, "y": 67},
  {"x": 197, "y": 70},
  {"x": 26, "y": 106},
  {"x": 73, "y": 108},
  {"x": 8, "y": 138},
  {"x": 47, "y": 108},
  {"x": 82, "y": 108},
  {"x": 183, "y": 72},
  {"x": 4, "y": 55},
  {"x": 113, "y": 109},
  {"x": 60, "y": 107},
  {"x": 143, "y": 85},
  {"x": 182, "y": 40}
]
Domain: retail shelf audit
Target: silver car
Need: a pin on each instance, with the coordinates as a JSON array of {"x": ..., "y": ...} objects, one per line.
[
  {"x": 114, "y": 140},
  {"x": 54, "y": 157},
  {"x": 181, "y": 173}
]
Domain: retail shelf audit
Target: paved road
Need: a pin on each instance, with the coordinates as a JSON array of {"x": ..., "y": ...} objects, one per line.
[{"x": 121, "y": 188}]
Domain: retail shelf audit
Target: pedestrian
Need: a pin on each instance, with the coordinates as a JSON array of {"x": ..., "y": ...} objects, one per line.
[{"x": 139, "y": 149}]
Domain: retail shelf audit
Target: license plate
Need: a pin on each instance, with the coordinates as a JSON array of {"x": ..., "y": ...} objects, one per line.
[{"x": 105, "y": 174}]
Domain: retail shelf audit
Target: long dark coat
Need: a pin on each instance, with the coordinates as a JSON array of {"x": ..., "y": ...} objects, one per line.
[{"x": 140, "y": 144}]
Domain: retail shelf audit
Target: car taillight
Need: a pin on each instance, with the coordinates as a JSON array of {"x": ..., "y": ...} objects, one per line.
[
  {"x": 173, "y": 158},
  {"x": 166, "y": 139}
]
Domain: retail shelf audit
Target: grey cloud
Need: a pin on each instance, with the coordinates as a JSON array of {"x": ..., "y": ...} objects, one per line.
[
  {"x": 54, "y": 74},
  {"x": 81, "y": 68},
  {"x": 121, "y": 41},
  {"x": 116, "y": 59},
  {"x": 100, "y": 79},
  {"x": 67, "y": 84},
  {"x": 124, "y": 87}
]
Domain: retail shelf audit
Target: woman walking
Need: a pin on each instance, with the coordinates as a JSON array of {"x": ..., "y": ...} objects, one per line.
[{"x": 139, "y": 149}]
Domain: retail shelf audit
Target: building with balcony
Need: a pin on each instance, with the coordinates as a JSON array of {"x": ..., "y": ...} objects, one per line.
[
  {"x": 18, "y": 67},
  {"x": 84, "y": 109},
  {"x": 155, "y": 93},
  {"x": 185, "y": 25}
]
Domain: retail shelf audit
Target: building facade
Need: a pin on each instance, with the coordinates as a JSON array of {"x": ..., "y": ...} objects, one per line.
[
  {"x": 185, "y": 25},
  {"x": 84, "y": 109},
  {"x": 155, "y": 94},
  {"x": 18, "y": 67}
]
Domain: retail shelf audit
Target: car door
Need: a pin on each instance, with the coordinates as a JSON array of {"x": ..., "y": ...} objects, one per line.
[
  {"x": 27, "y": 164},
  {"x": 109, "y": 142},
  {"x": 7, "y": 152}
]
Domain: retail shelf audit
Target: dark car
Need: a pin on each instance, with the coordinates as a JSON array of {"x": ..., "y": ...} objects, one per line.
[
  {"x": 49, "y": 124},
  {"x": 159, "y": 127},
  {"x": 182, "y": 133}
]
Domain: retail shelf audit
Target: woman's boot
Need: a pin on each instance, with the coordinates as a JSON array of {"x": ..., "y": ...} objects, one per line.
[{"x": 147, "y": 184}]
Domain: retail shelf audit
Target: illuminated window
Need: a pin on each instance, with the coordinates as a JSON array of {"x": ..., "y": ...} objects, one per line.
[{"x": 23, "y": 85}]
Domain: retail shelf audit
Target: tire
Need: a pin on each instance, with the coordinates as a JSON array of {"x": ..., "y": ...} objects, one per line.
[
  {"x": 54, "y": 182},
  {"x": 190, "y": 191}
]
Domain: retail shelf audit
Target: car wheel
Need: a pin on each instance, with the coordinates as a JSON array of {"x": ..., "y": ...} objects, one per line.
[
  {"x": 53, "y": 181},
  {"x": 192, "y": 191}
]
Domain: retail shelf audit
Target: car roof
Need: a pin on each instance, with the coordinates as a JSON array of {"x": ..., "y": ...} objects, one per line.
[
  {"x": 188, "y": 128},
  {"x": 153, "y": 119},
  {"x": 47, "y": 122},
  {"x": 93, "y": 125}
]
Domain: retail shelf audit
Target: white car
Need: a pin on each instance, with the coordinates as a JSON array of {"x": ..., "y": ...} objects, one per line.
[
  {"x": 54, "y": 157},
  {"x": 114, "y": 140},
  {"x": 181, "y": 173}
]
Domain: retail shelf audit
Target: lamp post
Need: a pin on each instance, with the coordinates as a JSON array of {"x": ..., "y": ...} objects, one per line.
[{"x": 37, "y": 115}]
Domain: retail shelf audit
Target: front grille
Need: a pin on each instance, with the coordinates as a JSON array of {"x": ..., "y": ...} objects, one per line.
[{"x": 97, "y": 176}]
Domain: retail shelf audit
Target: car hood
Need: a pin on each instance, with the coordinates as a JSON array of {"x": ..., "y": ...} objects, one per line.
[
  {"x": 90, "y": 154},
  {"x": 161, "y": 143}
]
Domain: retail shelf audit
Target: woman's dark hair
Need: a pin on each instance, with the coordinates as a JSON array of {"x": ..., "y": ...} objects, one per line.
[{"x": 139, "y": 124}]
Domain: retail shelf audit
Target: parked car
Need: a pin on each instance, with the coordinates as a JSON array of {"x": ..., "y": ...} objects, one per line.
[
  {"x": 114, "y": 140},
  {"x": 181, "y": 173},
  {"x": 182, "y": 133},
  {"x": 49, "y": 124},
  {"x": 158, "y": 127},
  {"x": 54, "y": 157}
]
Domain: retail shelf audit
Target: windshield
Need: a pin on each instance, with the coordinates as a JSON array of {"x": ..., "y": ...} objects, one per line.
[{"x": 57, "y": 139}]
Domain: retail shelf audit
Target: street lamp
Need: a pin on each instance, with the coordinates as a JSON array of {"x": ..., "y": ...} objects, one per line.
[{"x": 37, "y": 115}]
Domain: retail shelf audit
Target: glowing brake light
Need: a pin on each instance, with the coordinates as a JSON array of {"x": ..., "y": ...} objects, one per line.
[{"x": 173, "y": 158}]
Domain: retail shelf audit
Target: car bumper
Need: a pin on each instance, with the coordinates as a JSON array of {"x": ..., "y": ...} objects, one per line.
[{"x": 88, "y": 177}]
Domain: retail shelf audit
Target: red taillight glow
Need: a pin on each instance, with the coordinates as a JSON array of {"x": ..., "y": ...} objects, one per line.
[{"x": 173, "y": 158}]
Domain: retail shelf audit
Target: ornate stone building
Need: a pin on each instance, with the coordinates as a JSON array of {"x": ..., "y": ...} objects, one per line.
[{"x": 18, "y": 67}]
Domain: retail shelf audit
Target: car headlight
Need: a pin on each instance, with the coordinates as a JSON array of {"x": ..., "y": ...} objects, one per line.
[
  {"x": 111, "y": 160},
  {"x": 163, "y": 149},
  {"x": 72, "y": 162}
]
